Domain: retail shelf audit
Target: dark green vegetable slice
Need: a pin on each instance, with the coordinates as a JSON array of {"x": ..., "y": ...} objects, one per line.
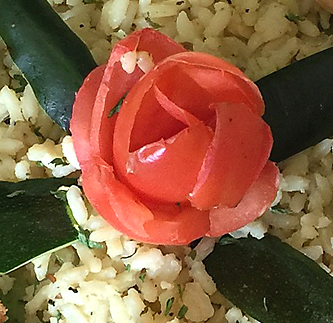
[
  {"x": 32, "y": 221},
  {"x": 271, "y": 281},
  {"x": 51, "y": 56},
  {"x": 299, "y": 104}
]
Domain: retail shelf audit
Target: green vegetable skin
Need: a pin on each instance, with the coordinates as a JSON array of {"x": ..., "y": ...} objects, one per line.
[
  {"x": 51, "y": 57},
  {"x": 299, "y": 104},
  {"x": 271, "y": 281},
  {"x": 32, "y": 221}
]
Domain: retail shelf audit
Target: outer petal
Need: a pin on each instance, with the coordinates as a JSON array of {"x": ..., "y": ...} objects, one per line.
[
  {"x": 235, "y": 158},
  {"x": 178, "y": 227},
  {"x": 152, "y": 223},
  {"x": 254, "y": 203},
  {"x": 114, "y": 201},
  {"x": 82, "y": 110}
]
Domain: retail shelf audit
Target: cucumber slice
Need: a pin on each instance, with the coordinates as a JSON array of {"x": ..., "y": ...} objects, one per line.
[
  {"x": 51, "y": 56},
  {"x": 271, "y": 281}
]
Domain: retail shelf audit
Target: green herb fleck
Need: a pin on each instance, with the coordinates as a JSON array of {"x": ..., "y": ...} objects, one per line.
[
  {"x": 22, "y": 81},
  {"x": 37, "y": 132},
  {"x": 168, "y": 306},
  {"x": 294, "y": 18},
  {"x": 153, "y": 24},
  {"x": 58, "y": 317},
  {"x": 39, "y": 164},
  {"x": 192, "y": 254},
  {"x": 60, "y": 195},
  {"x": 143, "y": 275},
  {"x": 128, "y": 267},
  {"x": 183, "y": 310},
  {"x": 117, "y": 107},
  {"x": 88, "y": 1},
  {"x": 278, "y": 209},
  {"x": 180, "y": 290},
  {"x": 226, "y": 240},
  {"x": 83, "y": 237},
  {"x": 83, "y": 234},
  {"x": 60, "y": 162}
]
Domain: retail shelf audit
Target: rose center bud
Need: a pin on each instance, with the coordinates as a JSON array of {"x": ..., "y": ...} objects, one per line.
[{"x": 164, "y": 143}]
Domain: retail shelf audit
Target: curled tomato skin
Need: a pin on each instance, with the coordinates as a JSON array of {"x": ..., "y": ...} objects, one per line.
[{"x": 187, "y": 154}]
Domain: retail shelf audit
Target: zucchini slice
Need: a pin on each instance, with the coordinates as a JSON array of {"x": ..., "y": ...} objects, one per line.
[
  {"x": 299, "y": 104},
  {"x": 32, "y": 221},
  {"x": 271, "y": 281},
  {"x": 51, "y": 56}
]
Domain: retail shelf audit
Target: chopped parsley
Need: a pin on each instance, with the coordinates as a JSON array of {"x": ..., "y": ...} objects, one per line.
[
  {"x": 39, "y": 164},
  {"x": 82, "y": 234},
  {"x": 58, "y": 317},
  {"x": 128, "y": 267},
  {"x": 83, "y": 237},
  {"x": 36, "y": 131},
  {"x": 117, "y": 107},
  {"x": 294, "y": 18},
  {"x": 183, "y": 310},
  {"x": 151, "y": 23},
  {"x": 60, "y": 162},
  {"x": 60, "y": 195},
  {"x": 168, "y": 306},
  {"x": 143, "y": 275},
  {"x": 278, "y": 209},
  {"x": 180, "y": 290}
]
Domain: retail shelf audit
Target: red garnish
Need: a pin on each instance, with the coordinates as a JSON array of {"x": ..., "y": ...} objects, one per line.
[{"x": 187, "y": 154}]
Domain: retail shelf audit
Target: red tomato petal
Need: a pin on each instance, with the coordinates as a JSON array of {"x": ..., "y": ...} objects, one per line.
[
  {"x": 174, "y": 110},
  {"x": 177, "y": 228},
  {"x": 208, "y": 85},
  {"x": 150, "y": 115},
  {"x": 166, "y": 46},
  {"x": 158, "y": 224},
  {"x": 235, "y": 158},
  {"x": 202, "y": 62},
  {"x": 167, "y": 170},
  {"x": 115, "y": 201},
  {"x": 80, "y": 125},
  {"x": 111, "y": 91},
  {"x": 196, "y": 100},
  {"x": 254, "y": 203}
]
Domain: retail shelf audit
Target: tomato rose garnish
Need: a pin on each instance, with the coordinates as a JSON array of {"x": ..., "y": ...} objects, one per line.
[{"x": 187, "y": 153}]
